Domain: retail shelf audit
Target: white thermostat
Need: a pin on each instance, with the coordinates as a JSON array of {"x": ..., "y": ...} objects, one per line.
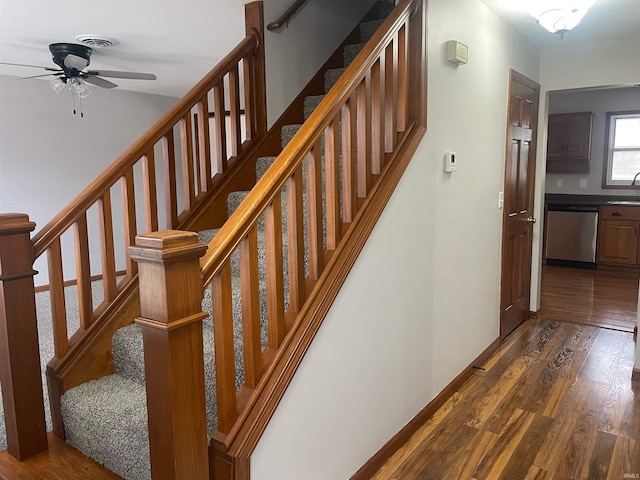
[{"x": 450, "y": 162}]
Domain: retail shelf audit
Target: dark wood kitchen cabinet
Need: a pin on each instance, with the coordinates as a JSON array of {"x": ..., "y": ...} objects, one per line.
[
  {"x": 618, "y": 235},
  {"x": 569, "y": 143}
]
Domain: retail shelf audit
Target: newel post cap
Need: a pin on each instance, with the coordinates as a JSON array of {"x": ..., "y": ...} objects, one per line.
[
  {"x": 15, "y": 223},
  {"x": 167, "y": 246}
]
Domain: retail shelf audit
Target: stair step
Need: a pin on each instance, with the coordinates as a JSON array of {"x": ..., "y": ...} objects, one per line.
[
  {"x": 288, "y": 131},
  {"x": 351, "y": 52},
  {"x": 331, "y": 77},
  {"x": 205, "y": 236},
  {"x": 106, "y": 419},
  {"x": 367, "y": 29},
  {"x": 262, "y": 165},
  {"x": 310, "y": 104},
  {"x": 234, "y": 199}
]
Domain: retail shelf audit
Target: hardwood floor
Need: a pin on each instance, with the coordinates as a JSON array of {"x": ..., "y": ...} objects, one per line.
[
  {"x": 555, "y": 402},
  {"x": 590, "y": 297},
  {"x": 60, "y": 462}
]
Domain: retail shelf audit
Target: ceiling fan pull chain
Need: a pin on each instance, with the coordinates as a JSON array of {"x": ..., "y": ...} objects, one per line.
[{"x": 81, "y": 111}]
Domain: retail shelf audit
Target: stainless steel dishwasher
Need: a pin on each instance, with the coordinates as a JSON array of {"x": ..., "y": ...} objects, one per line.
[{"x": 571, "y": 235}]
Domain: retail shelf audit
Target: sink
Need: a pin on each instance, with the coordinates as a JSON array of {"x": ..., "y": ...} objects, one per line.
[{"x": 635, "y": 203}]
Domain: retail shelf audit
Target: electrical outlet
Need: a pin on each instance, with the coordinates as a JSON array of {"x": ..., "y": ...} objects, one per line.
[
  {"x": 559, "y": 183},
  {"x": 583, "y": 183}
]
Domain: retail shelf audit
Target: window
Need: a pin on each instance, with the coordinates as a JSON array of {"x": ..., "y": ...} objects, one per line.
[{"x": 622, "y": 149}]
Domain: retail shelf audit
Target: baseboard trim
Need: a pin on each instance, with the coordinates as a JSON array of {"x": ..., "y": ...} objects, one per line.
[
  {"x": 68, "y": 283},
  {"x": 635, "y": 375},
  {"x": 399, "y": 439}
]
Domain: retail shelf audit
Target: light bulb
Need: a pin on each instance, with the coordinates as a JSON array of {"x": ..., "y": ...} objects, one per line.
[{"x": 56, "y": 84}]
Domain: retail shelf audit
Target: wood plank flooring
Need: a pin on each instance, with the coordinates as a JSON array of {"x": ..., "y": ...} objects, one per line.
[
  {"x": 556, "y": 402},
  {"x": 590, "y": 297},
  {"x": 60, "y": 462}
]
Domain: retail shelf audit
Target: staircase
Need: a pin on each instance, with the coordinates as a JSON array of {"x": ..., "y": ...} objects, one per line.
[
  {"x": 310, "y": 213},
  {"x": 106, "y": 419}
]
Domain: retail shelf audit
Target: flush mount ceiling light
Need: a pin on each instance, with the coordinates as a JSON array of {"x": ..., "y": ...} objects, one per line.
[{"x": 560, "y": 16}]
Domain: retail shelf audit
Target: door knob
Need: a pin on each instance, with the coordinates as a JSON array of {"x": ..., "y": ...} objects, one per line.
[{"x": 531, "y": 220}]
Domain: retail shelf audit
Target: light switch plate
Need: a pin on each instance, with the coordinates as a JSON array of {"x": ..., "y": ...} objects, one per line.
[
  {"x": 559, "y": 183},
  {"x": 583, "y": 183}
]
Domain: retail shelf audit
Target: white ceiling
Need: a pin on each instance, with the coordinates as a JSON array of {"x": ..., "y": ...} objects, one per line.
[
  {"x": 179, "y": 41},
  {"x": 605, "y": 20}
]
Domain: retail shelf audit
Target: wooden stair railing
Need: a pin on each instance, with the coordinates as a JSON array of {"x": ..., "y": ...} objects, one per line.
[
  {"x": 163, "y": 177},
  {"x": 361, "y": 136}
]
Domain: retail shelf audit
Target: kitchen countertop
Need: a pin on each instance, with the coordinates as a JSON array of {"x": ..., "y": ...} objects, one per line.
[{"x": 598, "y": 200}]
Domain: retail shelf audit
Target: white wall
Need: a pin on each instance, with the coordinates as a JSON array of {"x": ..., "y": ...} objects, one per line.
[
  {"x": 422, "y": 300},
  {"x": 48, "y": 155},
  {"x": 296, "y": 52},
  {"x": 599, "y": 102},
  {"x": 562, "y": 68}
]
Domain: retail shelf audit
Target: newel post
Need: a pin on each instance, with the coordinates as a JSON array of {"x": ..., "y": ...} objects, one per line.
[
  {"x": 171, "y": 320},
  {"x": 20, "y": 373}
]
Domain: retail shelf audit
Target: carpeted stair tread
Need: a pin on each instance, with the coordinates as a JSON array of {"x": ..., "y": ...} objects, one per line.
[
  {"x": 351, "y": 52},
  {"x": 262, "y": 165},
  {"x": 310, "y": 104},
  {"x": 234, "y": 199},
  {"x": 367, "y": 29},
  {"x": 288, "y": 132},
  {"x": 205, "y": 236},
  {"x": 331, "y": 77},
  {"x": 106, "y": 419}
]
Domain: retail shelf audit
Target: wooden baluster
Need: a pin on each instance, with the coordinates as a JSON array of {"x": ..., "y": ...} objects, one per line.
[
  {"x": 391, "y": 94},
  {"x": 417, "y": 59},
  {"x": 349, "y": 171},
  {"x": 332, "y": 159},
  {"x": 377, "y": 116},
  {"x": 188, "y": 178},
  {"x": 364, "y": 136},
  {"x": 129, "y": 219},
  {"x": 250, "y": 122},
  {"x": 234, "y": 98},
  {"x": 107, "y": 252},
  {"x": 403, "y": 99},
  {"x": 224, "y": 349},
  {"x": 204, "y": 144},
  {"x": 150, "y": 191},
  {"x": 274, "y": 272},
  {"x": 250, "y": 295},
  {"x": 254, "y": 22},
  {"x": 57, "y": 300},
  {"x": 20, "y": 374},
  {"x": 314, "y": 210},
  {"x": 83, "y": 272},
  {"x": 169, "y": 165},
  {"x": 220, "y": 127},
  {"x": 171, "y": 320},
  {"x": 295, "y": 236}
]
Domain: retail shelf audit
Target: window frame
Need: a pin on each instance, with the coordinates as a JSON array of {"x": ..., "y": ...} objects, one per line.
[{"x": 609, "y": 150}]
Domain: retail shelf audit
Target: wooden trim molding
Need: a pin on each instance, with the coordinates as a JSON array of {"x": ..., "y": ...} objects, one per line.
[{"x": 386, "y": 452}]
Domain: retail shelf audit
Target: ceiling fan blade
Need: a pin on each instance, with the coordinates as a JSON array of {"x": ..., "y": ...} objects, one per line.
[
  {"x": 50, "y": 69},
  {"x": 38, "y": 76},
  {"x": 116, "y": 74},
  {"x": 74, "y": 61},
  {"x": 99, "y": 82}
]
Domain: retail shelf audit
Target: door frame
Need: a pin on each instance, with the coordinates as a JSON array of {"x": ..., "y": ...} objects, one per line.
[{"x": 515, "y": 76}]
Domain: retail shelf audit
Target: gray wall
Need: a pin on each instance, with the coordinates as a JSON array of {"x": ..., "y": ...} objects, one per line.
[
  {"x": 600, "y": 102},
  {"x": 48, "y": 155},
  {"x": 296, "y": 52}
]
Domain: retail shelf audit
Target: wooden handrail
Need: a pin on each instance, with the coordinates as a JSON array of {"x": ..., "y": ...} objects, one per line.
[
  {"x": 286, "y": 16},
  {"x": 246, "y": 215},
  {"x": 65, "y": 219}
]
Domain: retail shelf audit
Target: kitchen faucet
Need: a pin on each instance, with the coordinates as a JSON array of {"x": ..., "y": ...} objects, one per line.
[{"x": 633, "y": 182}]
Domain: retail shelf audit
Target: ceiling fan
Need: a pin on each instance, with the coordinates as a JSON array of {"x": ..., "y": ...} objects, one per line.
[{"x": 72, "y": 59}]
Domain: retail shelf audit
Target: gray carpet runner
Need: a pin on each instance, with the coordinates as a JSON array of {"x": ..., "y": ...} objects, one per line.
[{"x": 106, "y": 419}]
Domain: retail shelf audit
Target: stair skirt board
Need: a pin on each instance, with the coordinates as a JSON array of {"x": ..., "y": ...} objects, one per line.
[{"x": 106, "y": 419}]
